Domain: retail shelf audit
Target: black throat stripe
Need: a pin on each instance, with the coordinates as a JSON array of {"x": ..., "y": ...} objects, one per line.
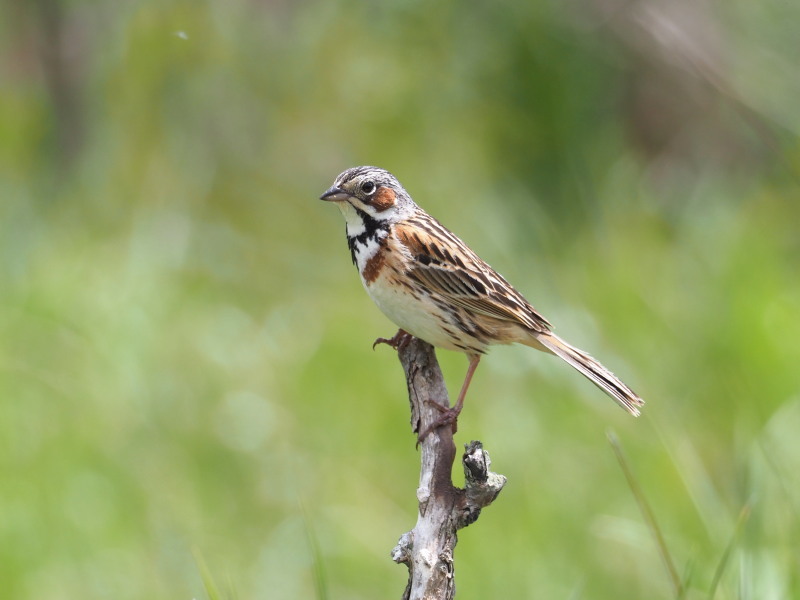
[{"x": 373, "y": 230}]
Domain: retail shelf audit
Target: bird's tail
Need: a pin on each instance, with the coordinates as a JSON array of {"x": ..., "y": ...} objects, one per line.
[{"x": 591, "y": 369}]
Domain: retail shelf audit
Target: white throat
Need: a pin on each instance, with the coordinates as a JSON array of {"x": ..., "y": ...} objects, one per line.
[
  {"x": 364, "y": 235},
  {"x": 353, "y": 221}
]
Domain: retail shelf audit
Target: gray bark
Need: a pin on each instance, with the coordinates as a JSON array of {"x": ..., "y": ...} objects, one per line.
[{"x": 428, "y": 549}]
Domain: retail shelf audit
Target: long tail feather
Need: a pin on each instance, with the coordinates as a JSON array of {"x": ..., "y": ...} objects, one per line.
[{"x": 593, "y": 370}]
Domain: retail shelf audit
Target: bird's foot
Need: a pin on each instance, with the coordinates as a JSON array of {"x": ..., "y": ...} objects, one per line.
[
  {"x": 400, "y": 340},
  {"x": 447, "y": 416}
]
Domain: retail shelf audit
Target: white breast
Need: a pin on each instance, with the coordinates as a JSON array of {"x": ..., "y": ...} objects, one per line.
[
  {"x": 416, "y": 314},
  {"x": 413, "y": 312}
]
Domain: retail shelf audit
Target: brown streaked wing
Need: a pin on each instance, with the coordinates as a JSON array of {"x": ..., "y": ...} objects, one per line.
[{"x": 446, "y": 265}]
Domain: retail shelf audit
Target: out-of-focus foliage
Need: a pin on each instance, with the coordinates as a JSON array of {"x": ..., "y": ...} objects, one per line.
[{"x": 185, "y": 362}]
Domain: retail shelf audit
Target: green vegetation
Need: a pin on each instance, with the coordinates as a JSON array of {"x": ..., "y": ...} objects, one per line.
[{"x": 189, "y": 403}]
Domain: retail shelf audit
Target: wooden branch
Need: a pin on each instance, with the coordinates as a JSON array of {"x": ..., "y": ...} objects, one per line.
[{"x": 427, "y": 550}]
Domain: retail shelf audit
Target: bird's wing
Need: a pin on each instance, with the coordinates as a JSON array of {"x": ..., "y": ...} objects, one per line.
[{"x": 445, "y": 265}]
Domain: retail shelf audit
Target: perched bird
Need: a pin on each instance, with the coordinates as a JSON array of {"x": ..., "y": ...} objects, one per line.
[{"x": 430, "y": 284}]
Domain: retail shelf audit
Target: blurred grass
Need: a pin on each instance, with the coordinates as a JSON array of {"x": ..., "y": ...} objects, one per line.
[{"x": 186, "y": 349}]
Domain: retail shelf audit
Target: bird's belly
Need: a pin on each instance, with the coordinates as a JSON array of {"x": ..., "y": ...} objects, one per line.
[{"x": 416, "y": 313}]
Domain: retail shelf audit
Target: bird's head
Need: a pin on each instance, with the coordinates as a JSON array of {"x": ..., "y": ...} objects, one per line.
[{"x": 370, "y": 190}]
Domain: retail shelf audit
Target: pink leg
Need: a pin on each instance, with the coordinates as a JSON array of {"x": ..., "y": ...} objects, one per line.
[
  {"x": 449, "y": 416},
  {"x": 400, "y": 339},
  {"x": 473, "y": 364}
]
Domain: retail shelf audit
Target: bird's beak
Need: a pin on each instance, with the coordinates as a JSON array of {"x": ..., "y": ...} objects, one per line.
[{"x": 334, "y": 194}]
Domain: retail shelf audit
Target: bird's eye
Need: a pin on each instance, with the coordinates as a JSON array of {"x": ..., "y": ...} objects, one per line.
[{"x": 368, "y": 187}]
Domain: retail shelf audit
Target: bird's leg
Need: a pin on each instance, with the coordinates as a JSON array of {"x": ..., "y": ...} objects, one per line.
[
  {"x": 449, "y": 416},
  {"x": 400, "y": 340}
]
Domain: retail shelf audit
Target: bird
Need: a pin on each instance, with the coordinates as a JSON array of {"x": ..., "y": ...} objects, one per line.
[{"x": 435, "y": 288}]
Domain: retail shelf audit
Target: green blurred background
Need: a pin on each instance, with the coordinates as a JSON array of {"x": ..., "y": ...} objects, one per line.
[{"x": 185, "y": 360}]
